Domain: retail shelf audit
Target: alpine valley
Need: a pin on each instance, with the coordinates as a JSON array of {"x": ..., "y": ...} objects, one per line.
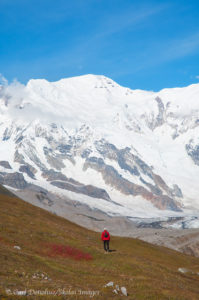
[{"x": 92, "y": 151}]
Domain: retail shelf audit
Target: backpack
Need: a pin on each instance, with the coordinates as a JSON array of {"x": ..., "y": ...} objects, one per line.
[{"x": 106, "y": 234}]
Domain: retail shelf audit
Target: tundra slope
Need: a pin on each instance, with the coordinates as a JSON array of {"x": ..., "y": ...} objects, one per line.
[
  {"x": 125, "y": 153},
  {"x": 34, "y": 257}
]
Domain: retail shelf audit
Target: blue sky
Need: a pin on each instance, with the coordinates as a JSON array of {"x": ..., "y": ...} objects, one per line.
[{"x": 140, "y": 44}]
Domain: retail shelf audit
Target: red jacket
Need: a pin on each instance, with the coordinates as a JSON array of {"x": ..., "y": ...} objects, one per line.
[{"x": 103, "y": 238}]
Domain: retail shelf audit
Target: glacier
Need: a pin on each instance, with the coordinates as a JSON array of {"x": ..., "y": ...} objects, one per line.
[{"x": 123, "y": 152}]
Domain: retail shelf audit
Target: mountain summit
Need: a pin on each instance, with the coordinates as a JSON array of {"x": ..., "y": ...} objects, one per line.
[{"x": 114, "y": 150}]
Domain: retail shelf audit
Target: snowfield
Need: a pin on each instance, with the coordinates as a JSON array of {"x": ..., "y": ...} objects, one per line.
[{"x": 125, "y": 152}]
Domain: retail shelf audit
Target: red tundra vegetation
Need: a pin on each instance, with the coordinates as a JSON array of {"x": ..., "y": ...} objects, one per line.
[{"x": 67, "y": 251}]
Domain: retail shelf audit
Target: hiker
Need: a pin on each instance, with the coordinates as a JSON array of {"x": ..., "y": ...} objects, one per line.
[{"x": 105, "y": 238}]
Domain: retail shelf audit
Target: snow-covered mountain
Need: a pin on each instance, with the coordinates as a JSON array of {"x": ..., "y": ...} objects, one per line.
[{"x": 123, "y": 152}]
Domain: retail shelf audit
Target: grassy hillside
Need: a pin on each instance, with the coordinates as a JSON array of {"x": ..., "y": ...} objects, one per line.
[{"x": 57, "y": 256}]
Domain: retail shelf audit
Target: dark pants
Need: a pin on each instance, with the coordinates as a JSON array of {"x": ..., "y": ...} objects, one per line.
[{"x": 106, "y": 245}]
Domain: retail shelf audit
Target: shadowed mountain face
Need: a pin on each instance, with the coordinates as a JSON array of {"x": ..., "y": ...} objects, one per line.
[
  {"x": 4, "y": 191},
  {"x": 122, "y": 152}
]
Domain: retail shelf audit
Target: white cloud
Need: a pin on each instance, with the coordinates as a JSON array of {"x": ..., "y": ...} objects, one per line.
[{"x": 3, "y": 80}]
